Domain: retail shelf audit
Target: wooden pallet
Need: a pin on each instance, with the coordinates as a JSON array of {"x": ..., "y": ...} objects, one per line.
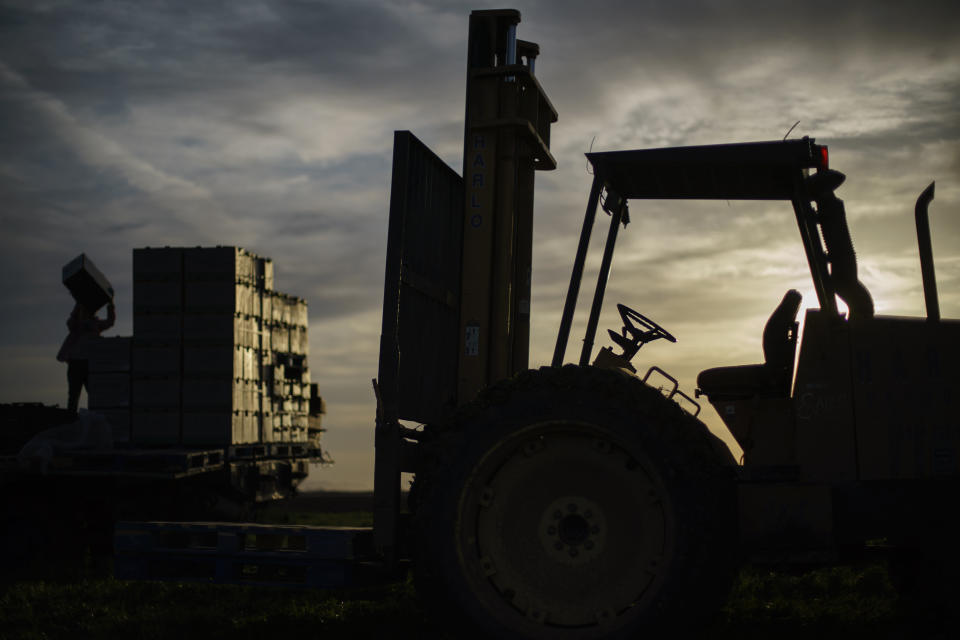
[
  {"x": 249, "y": 554},
  {"x": 271, "y": 450},
  {"x": 289, "y": 449},
  {"x": 249, "y": 451}
]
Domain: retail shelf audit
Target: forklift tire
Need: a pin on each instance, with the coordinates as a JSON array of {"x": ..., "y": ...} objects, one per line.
[{"x": 574, "y": 502}]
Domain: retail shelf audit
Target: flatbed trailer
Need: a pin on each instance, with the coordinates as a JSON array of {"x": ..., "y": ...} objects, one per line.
[
  {"x": 256, "y": 471},
  {"x": 61, "y": 507}
]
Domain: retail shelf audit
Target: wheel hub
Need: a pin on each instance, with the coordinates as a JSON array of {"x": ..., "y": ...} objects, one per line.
[{"x": 573, "y": 530}]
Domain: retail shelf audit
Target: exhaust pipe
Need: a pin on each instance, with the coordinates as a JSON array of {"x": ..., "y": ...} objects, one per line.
[{"x": 926, "y": 254}]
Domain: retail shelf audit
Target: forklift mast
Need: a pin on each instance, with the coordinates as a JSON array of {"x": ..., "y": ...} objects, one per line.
[
  {"x": 456, "y": 309},
  {"x": 506, "y": 139}
]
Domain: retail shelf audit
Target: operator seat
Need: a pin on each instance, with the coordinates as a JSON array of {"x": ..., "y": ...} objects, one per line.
[{"x": 773, "y": 377}]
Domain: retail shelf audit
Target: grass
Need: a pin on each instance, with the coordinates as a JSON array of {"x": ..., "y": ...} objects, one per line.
[
  {"x": 833, "y": 602},
  {"x": 837, "y": 602},
  {"x": 108, "y": 608},
  {"x": 861, "y": 594}
]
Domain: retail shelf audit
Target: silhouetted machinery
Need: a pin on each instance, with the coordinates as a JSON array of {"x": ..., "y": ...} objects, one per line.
[
  {"x": 578, "y": 500},
  {"x": 584, "y": 501}
]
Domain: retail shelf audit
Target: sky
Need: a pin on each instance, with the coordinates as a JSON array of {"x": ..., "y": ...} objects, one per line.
[{"x": 268, "y": 124}]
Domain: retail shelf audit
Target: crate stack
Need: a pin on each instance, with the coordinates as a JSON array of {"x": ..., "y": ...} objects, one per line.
[
  {"x": 204, "y": 365},
  {"x": 287, "y": 385},
  {"x": 224, "y": 287},
  {"x": 157, "y": 346},
  {"x": 108, "y": 385}
]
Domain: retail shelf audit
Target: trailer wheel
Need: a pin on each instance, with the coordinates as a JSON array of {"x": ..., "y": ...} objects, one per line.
[{"x": 574, "y": 502}]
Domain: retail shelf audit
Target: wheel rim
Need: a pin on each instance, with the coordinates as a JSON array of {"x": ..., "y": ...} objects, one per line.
[{"x": 563, "y": 525}]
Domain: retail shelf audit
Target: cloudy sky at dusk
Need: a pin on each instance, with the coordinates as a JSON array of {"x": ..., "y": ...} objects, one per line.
[{"x": 268, "y": 124}]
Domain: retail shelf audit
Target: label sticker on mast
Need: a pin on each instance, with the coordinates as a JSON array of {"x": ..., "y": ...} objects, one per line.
[{"x": 472, "y": 340}]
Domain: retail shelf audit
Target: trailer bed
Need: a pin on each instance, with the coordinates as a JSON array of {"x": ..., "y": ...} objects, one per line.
[{"x": 140, "y": 463}]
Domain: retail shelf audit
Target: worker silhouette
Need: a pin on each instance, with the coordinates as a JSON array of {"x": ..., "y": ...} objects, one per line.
[{"x": 84, "y": 327}]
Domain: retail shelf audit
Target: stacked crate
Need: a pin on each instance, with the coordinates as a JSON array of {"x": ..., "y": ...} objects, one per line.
[
  {"x": 204, "y": 366},
  {"x": 221, "y": 333},
  {"x": 108, "y": 386},
  {"x": 157, "y": 346},
  {"x": 287, "y": 389},
  {"x": 314, "y": 422}
]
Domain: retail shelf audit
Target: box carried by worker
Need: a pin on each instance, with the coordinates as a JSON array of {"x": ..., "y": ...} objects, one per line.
[{"x": 88, "y": 286}]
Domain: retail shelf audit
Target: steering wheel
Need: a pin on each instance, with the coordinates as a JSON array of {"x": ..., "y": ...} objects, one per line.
[{"x": 637, "y": 331}]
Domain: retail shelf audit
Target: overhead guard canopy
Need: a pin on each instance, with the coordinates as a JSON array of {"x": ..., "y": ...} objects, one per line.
[{"x": 745, "y": 171}]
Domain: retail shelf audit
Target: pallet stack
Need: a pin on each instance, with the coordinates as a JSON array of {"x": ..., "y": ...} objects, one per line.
[{"x": 210, "y": 353}]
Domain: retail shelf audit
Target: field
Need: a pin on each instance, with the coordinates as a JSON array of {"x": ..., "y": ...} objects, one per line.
[{"x": 837, "y": 602}]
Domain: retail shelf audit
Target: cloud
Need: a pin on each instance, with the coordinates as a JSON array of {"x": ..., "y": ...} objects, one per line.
[{"x": 54, "y": 119}]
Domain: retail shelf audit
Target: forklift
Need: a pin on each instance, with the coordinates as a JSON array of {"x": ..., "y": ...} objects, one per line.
[{"x": 583, "y": 500}]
